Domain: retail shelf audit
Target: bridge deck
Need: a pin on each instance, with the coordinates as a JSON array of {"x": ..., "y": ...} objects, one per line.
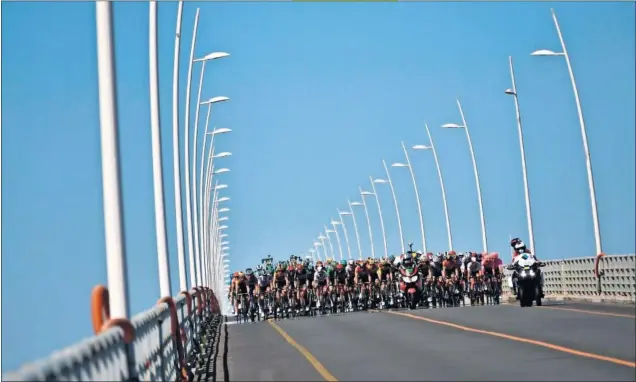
[{"x": 582, "y": 342}]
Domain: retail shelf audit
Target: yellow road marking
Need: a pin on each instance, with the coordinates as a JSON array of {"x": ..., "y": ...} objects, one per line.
[
  {"x": 308, "y": 356},
  {"x": 520, "y": 339}
]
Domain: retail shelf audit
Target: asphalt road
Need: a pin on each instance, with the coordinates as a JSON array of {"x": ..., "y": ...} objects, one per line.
[{"x": 571, "y": 342}]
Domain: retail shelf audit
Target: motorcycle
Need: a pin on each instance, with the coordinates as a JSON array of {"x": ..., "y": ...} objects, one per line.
[
  {"x": 411, "y": 284},
  {"x": 528, "y": 280}
]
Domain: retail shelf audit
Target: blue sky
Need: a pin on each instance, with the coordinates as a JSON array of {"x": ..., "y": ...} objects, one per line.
[{"x": 320, "y": 94}]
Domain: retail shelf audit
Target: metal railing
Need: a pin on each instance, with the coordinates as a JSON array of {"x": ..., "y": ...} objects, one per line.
[
  {"x": 610, "y": 278},
  {"x": 155, "y": 345}
]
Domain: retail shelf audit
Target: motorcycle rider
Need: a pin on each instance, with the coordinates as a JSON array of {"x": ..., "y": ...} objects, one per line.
[
  {"x": 519, "y": 248},
  {"x": 408, "y": 262}
]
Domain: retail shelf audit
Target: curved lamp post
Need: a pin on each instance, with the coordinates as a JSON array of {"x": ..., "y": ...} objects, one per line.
[
  {"x": 316, "y": 245},
  {"x": 586, "y": 148},
  {"x": 395, "y": 202},
  {"x": 176, "y": 156},
  {"x": 417, "y": 194},
  {"x": 472, "y": 155},
  {"x": 157, "y": 165},
  {"x": 322, "y": 240},
  {"x": 441, "y": 183},
  {"x": 366, "y": 213},
  {"x": 344, "y": 230},
  {"x": 374, "y": 193},
  {"x": 513, "y": 93},
  {"x": 355, "y": 226},
  {"x": 111, "y": 179}
]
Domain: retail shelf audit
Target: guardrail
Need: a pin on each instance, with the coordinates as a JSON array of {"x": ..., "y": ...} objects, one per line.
[
  {"x": 610, "y": 278},
  {"x": 155, "y": 345}
]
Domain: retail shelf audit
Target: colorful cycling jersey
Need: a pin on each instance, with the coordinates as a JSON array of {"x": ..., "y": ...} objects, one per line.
[
  {"x": 489, "y": 262},
  {"x": 362, "y": 272},
  {"x": 449, "y": 264}
]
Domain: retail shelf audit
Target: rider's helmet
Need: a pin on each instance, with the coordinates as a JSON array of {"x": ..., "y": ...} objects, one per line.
[
  {"x": 280, "y": 266},
  {"x": 299, "y": 266},
  {"x": 319, "y": 268},
  {"x": 259, "y": 267},
  {"x": 518, "y": 245},
  {"x": 452, "y": 255},
  {"x": 236, "y": 275},
  {"x": 351, "y": 263},
  {"x": 269, "y": 268},
  {"x": 290, "y": 268},
  {"x": 310, "y": 267},
  {"x": 249, "y": 271},
  {"x": 241, "y": 274},
  {"x": 339, "y": 266},
  {"x": 343, "y": 262},
  {"x": 391, "y": 259},
  {"x": 478, "y": 257},
  {"x": 407, "y": 262},
  {"x": 318, "y": 263},
  {"x": 494, "y": 255}
]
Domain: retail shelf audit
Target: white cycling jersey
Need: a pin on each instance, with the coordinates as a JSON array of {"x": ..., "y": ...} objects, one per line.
[{"x": 320, "y": 276}]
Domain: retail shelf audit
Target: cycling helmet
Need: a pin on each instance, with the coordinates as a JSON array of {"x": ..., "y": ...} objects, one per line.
[
  {"x": 340, "y": 266},
  {"x": 236, "y": 274},
  {"x": 249, "y": 271},
  {"x": 407, "y": 262},
  {"x": 351, "y": 262},
  {"x": 318, "y": 263},
  {"x": 310, "y": 267},
  {"x": 319, "y": 269},
  {"x": 299, "y": 266},
  {"x": 391, "y": 258},
  {"x": 259, "y": 267}
]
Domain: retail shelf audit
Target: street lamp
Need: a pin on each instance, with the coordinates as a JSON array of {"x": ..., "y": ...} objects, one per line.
[
  {"x": 333, "y": 253},
  {"x": 111, "y": 178},
  {"x": 186, "y": 140},
  {"x": 366, "y": 213},
  {"x": 374, "y": 193},
  {"x": 203, "y": 196},
  {"x": 176, "y": 157},
  {"x": 472, "y": 154},
  {"x": 417, "y": 194},
  {"x": 513, "y": 93},
  {"x": 355, "y": 227},
  {"x": 397, "y": 209},
  {"x": 313, "y": 256},
  {"x": 322, "y": 240},
  {"x": 441, "y": 183},
  {"x": 334, "y": 223},
  {"x": 157, "y": 166},
  {"x": 316, "y": 245},
  {"x": 586, "y": 148}
]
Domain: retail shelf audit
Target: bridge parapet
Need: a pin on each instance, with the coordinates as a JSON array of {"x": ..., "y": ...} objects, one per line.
[
  {"x": 158, "y": 347},
  {"x": 604, "y": 278}
]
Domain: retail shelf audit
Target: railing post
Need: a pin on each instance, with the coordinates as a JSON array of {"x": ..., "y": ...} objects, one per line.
[{"x": 562, "y": 277}]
